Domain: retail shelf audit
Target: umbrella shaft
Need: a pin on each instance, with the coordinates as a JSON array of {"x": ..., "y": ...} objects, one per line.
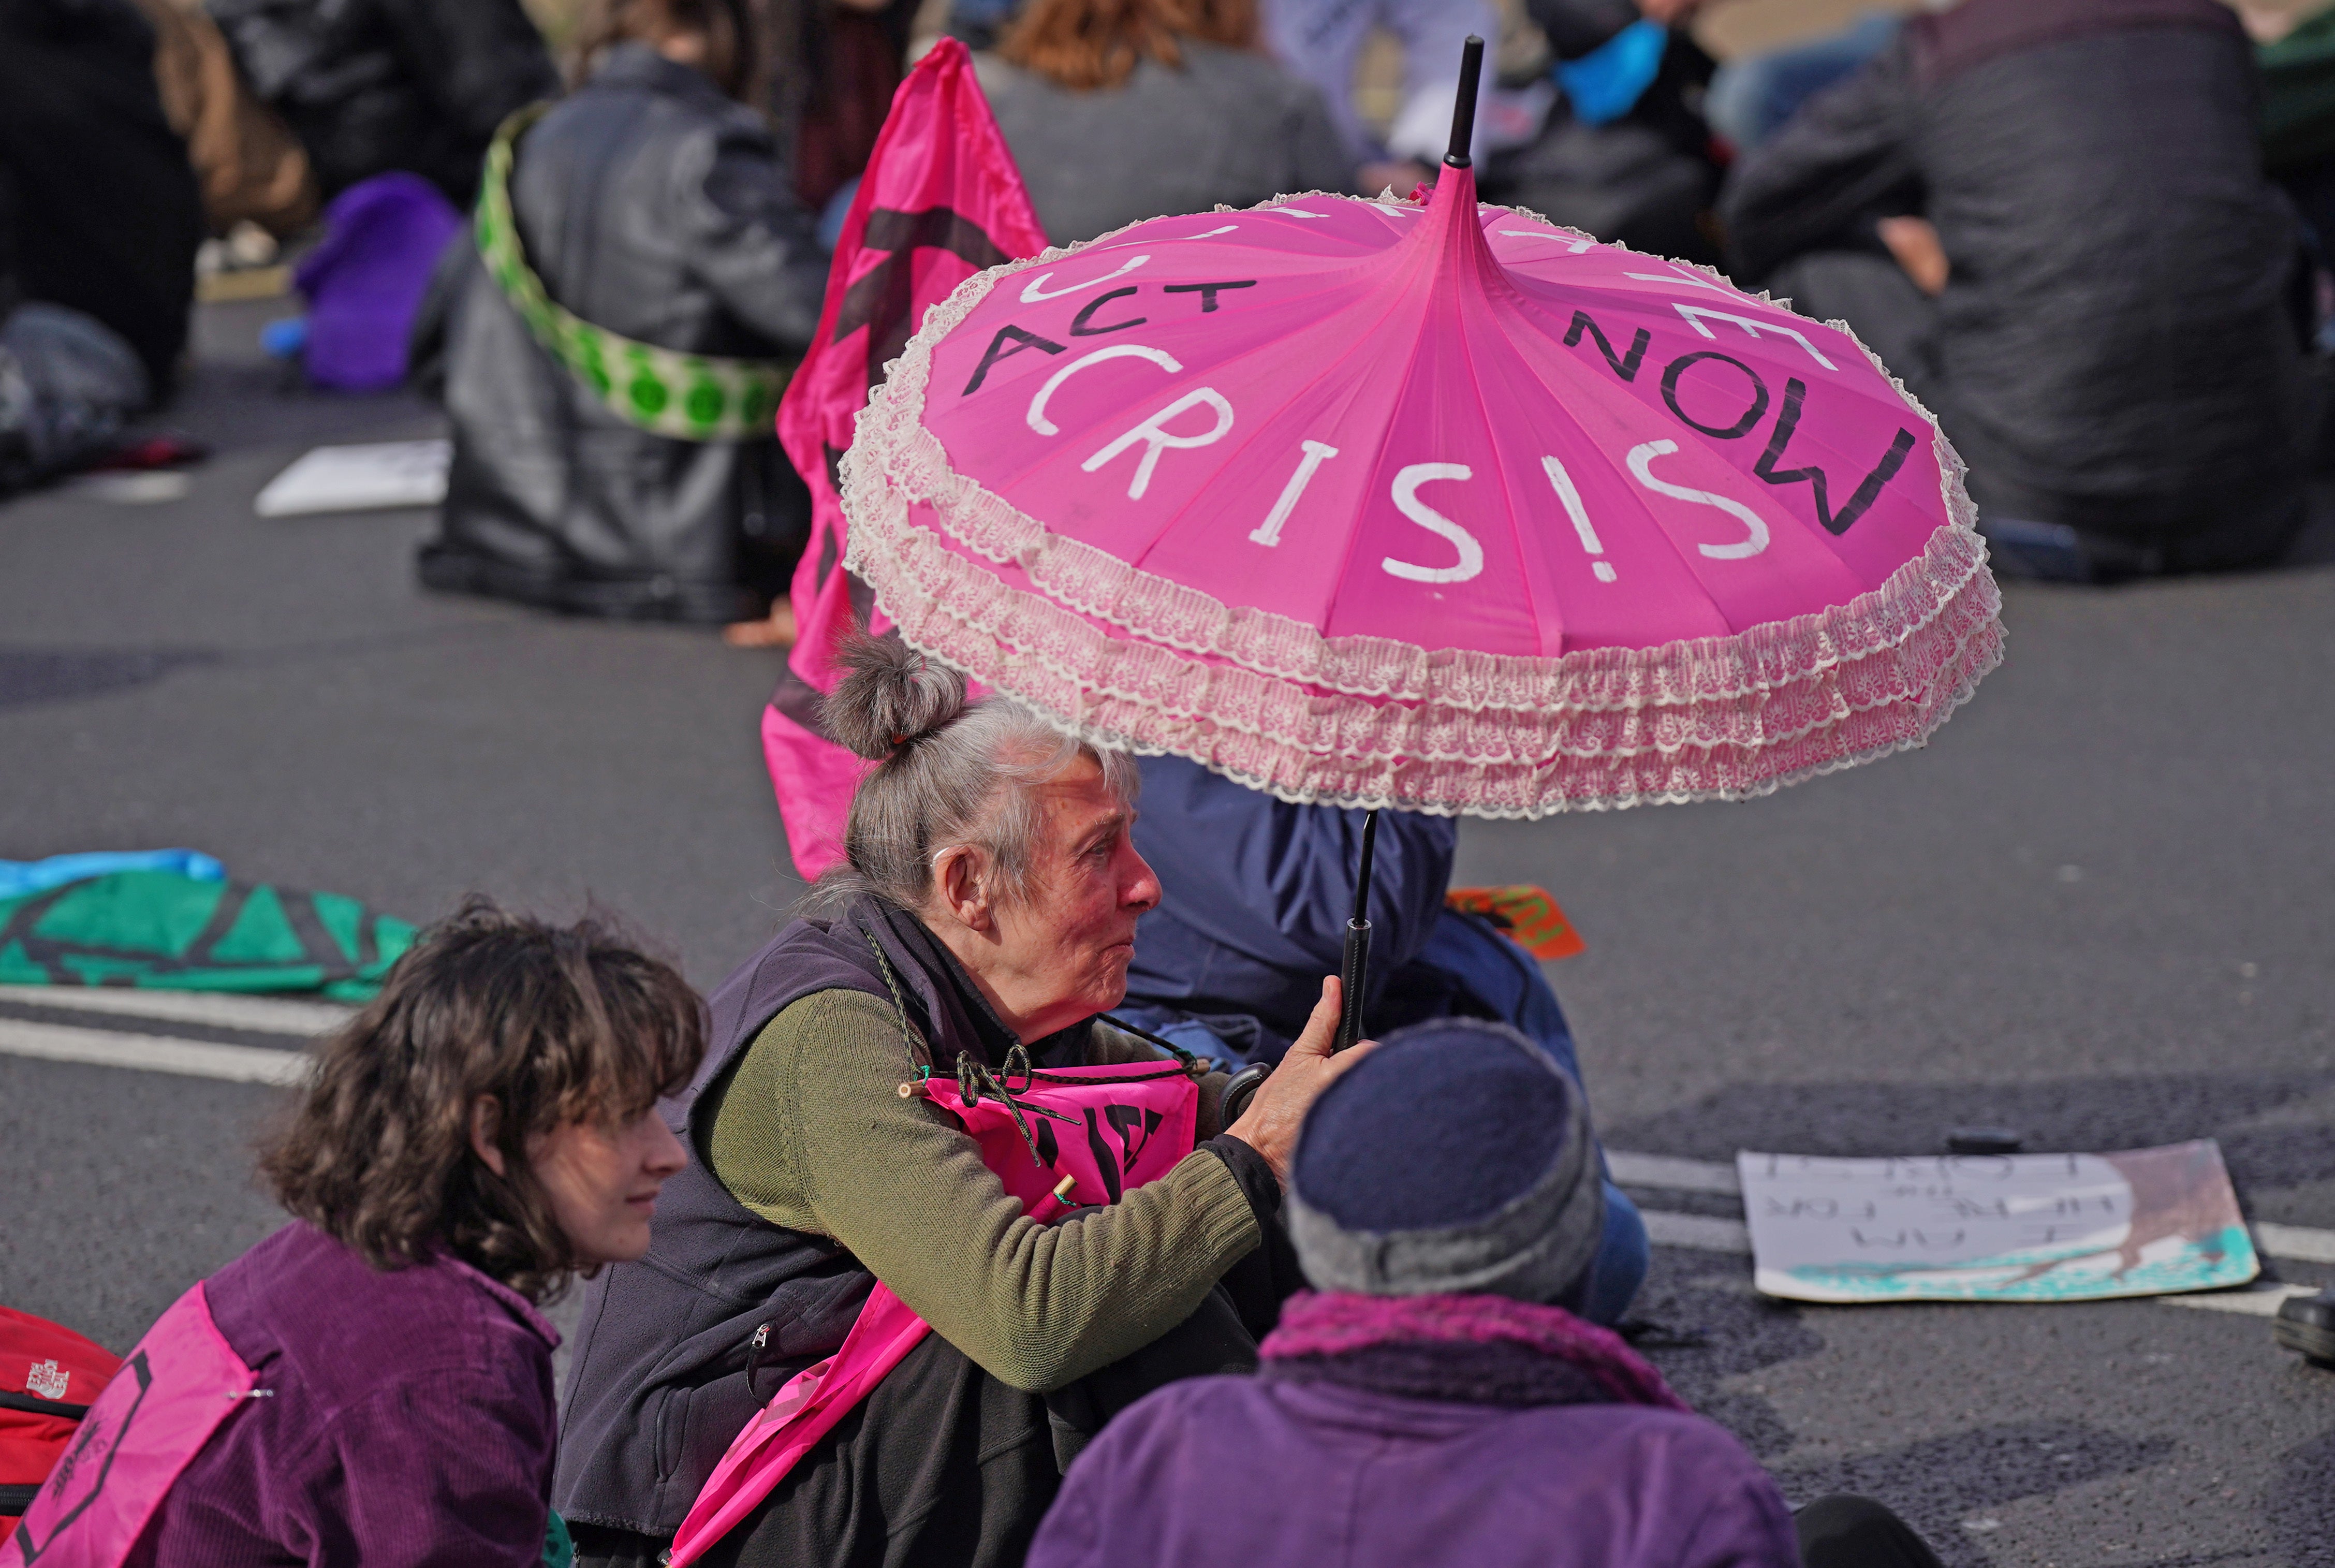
[{"x": 1353, "y": 975}]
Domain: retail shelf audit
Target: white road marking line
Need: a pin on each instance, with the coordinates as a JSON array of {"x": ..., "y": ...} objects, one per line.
[
  {"x": 2296, "y": 1243},
  {"x": 260, "y": 1015},
  {"x": 151, "y": 1053},
  {"x": 1660, "y": 1170},
  {"x": 1700, "y": 1232},
  {"x": 2255, "y": 1300}
]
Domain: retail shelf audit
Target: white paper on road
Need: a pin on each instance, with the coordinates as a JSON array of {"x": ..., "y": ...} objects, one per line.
[
  {"x": 359, "y": 479},
  {"x": 2038, "y": 1227}
]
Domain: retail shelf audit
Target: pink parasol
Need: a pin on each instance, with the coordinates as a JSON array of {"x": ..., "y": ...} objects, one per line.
[{"x": 1427, "y": 505}]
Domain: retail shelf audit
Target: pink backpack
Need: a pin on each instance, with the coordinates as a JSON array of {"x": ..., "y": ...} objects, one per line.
[{"x": 178, "y": 1385}]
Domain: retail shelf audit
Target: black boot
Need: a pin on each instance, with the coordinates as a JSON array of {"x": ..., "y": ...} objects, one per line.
[{"x": 2306, "y": 1325}]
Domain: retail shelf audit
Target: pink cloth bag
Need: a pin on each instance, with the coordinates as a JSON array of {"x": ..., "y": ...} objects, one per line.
[
  {"x": 181, "y": 1383},
  {"x": 1106, "y": 1129}
]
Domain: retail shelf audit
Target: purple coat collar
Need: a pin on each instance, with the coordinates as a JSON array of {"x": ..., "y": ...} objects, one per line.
[
  {"x": 1471, "y": 1348},
  {"x": 520, "y": 1306}
]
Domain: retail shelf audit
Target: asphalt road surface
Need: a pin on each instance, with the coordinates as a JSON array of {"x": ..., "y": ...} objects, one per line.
[{"x": 2096, "y": 909}]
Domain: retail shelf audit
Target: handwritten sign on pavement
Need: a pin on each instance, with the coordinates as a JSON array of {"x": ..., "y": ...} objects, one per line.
[{"x": 2040, "y": 1227}]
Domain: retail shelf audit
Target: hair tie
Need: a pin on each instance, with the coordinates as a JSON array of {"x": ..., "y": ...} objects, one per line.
[{"x": 899, "y": 739}]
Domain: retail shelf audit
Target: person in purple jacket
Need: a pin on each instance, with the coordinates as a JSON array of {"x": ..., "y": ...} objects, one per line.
[
  {"x": 485, "y": 1129},
  {"x": 1440, "y": 1400}
]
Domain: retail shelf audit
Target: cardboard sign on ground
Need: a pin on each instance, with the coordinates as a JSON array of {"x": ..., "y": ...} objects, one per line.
[
  {"x": 359, "y": 479},
  {"x": 2038, "y": 1227}
]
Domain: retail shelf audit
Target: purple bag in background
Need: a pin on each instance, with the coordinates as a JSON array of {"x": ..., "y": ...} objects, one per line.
[{"x": 364, "y": 283}]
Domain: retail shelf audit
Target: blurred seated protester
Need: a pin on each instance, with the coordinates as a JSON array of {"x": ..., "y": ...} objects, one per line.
[
  {"x": 1322, "y": 41},
  {"x": 67, "y": 382},
  {"x": 979, "y": 925},
  {"x": 832, "y": 76},
  {"x": 1442, "y": 1399},
  {"x": 369, "y": 86},
  {"x": 67, "y": 386},
  {"x": 481, "y": 1132},
  {"x": 2106, "y": 333},
  {"x": 1123, "y": 110},
  {"x": 1625, "y": 155},
  {"x": 979, "y": 23},
  {"x": 107, "y": 214},
  {"x": 2297, "y": 60},
  {"x": 833, "y": 70},
  {"x": 1254, "y": 897},
  {"x": 1752, "y": 96},
  {"x": 252, "y": 169},
  {"x": 654, "y": 213}
]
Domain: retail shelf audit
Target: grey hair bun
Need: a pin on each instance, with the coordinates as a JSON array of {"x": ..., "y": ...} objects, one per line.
[{"x": 890, "y": 695}]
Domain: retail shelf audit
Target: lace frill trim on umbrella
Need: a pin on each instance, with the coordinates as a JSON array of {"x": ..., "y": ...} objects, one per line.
[{"x": 1368, "y": 721}]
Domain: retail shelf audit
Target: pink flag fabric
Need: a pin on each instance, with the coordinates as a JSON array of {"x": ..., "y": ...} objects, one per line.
[
  {"x": 1106, "y": 1129},
  {"x": 1423, "y": 505},
  {"x": 941, "y": 201}
]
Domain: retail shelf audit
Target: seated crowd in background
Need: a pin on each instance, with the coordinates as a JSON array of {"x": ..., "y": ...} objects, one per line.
[{"x": 2118, "y": 419}]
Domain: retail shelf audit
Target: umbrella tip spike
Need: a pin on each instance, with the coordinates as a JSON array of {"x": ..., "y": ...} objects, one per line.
[{"x": 1463, "y": 108}]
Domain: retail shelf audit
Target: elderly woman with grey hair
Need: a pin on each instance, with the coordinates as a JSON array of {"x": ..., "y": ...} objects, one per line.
[{"x": 988, "y": 902}]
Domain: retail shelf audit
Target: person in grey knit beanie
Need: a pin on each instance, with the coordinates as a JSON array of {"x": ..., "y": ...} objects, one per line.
[{"x": 1458, "y": 1158}]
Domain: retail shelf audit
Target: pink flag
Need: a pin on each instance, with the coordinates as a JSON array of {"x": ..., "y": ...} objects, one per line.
[{"x": 941, "y": 201}]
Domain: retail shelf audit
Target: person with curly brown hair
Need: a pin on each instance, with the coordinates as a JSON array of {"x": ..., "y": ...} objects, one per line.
[{"x": 480, "y": 1133}]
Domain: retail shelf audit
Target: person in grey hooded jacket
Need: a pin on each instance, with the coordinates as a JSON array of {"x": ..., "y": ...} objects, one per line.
[
  {"x": 653, "y": 205},
  {"x": 1122, "y": 109},
  {"x": 2050, "y": 219}
]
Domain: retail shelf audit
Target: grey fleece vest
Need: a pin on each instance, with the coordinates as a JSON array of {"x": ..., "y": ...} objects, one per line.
[{"x": 660, "y": 1382}]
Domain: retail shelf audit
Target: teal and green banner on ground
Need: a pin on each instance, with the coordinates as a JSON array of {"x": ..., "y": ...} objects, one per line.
[{"x": 168, "y": 931}]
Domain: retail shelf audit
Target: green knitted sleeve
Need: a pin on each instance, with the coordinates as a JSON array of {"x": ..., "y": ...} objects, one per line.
[{"x": 812, "y": 1133}]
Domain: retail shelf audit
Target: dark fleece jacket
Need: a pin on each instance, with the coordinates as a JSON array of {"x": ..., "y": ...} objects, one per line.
[{"x": 2116, "y": 324}]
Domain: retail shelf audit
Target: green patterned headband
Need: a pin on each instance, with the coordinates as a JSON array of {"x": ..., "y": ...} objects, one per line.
[{"x": 694, "y": 397}]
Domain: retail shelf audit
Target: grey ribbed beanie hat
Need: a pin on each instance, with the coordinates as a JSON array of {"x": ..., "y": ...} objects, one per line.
[{"x": 1458, "y": 1156}]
